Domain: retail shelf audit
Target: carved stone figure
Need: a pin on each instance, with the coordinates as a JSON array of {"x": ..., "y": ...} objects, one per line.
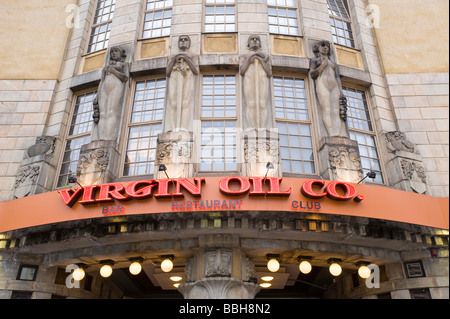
[
  {"x": 27, "y": 176},
  {"x": 108, "y": 102},
  {"x": 328, "y": 85},
  {"x": 44, "y": 145},
  {"x": 396, "y": 141},
  {"x": 256, "y": 69},
  {"x": 181, "y": 71}
]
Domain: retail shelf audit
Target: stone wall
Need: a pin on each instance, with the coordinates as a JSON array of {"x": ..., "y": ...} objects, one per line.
[
  {"x": 24, "y": 105},
  {"x": 421, "y": 106}
]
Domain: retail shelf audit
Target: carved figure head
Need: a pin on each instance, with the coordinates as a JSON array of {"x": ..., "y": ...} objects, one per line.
[
  {"x": 117, "y": 54},
  {"x": 254, "y": 42},
  {"x": 184, "y": 42},
  {"x": 322, "y": 48}
]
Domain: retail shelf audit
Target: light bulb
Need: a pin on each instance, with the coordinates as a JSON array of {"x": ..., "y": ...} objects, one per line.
[
  {"x": 273, "y": 265},
  {"x": 265, "y": 284},
  {"x": 364, "y": 272},
  {"x": 176, "y": 285},
  {"x": 106, "y": 271},
  {"x": 267, "y": 278},
  {"x": 335, "y": 269},
  {"x": 167, "y": 265},
  {"x": 176, "y": 278},
  {"x": 78, "y": 274},
  {"x": 305, "y": 267},
  {"x": 135, "y": 268}
]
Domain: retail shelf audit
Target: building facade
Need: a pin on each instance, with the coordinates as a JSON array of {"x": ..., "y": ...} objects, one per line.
[{"x": 219, "y": 135}]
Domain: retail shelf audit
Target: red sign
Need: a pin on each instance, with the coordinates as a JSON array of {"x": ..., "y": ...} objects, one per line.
[
  {"x": 230, "y": 186},
  {"x": 271, "y": 194}
]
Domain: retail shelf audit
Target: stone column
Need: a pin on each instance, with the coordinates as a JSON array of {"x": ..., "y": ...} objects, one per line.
[
  {"x": 261, "y": 147},
  {"x": 219, "y": 273},
  {"x": 35, "y": 174},
  {"x": 339, "y": 159},
  {"x": 174, "y": 150}
]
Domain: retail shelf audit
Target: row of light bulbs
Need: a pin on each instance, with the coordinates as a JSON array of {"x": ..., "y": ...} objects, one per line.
[
  {"x": 305, "y": 267},
  {"x": 135, "y": 268}
]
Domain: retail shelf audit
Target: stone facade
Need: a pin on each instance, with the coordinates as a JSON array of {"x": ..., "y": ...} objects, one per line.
[{"x": 408, "y": 107}]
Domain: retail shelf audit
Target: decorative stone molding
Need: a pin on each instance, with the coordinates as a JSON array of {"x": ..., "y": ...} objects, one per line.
[
  {"x": 404, "y": 164},
  {"x": 174, "y": 149},
  {"x": 396, "y": 141},
  {"x": 261, "y": 147},
  {"x": 99, "y": 157},
  {"x": 342, "y": 158},
  {"x": 45, "y": 145},
  {"x": 98, "y": 163},
  {"x": 339, "y": 159},
  {"x": 220, "y": 273}
]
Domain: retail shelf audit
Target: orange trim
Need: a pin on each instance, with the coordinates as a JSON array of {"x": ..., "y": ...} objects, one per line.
[{"x": 375, "y": 202}]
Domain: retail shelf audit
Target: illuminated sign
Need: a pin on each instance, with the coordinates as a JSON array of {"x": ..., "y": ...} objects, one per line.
[
  {"x": 215, "y": 194},
  {"x": 229, "y": 186}
]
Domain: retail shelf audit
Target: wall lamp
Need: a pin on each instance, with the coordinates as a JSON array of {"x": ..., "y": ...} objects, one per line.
[
  {"x": 79, "y": 273},
  {"x": 335, "y": 269},
  {"x": 167, "y": 263},
  {"x": 269, "y": 166},
  {"x": 272, "y": 262},
  {"x": 305, "y": 265},
  {"x": 72, "y": 179},
  {"x": 135, "y": 266},
  {"x": 106, "y": 269},
  {"x": 163, "y": 168},
  {"x": 370, "y": 174},
  {"x": 363, "y": 271}
]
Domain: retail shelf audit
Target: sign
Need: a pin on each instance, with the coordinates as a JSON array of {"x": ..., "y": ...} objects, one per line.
[{"x": 212, "y": 194}]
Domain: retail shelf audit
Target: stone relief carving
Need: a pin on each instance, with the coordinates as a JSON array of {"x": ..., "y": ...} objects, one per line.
[
  {"x": 99, "y": 157},
  {"x": 218, "y": 263},
  {"x": 413, "y": 171},
  {"x": 26, "y": 177},
  {"x": 261, "y": 151},
  {"x": 108, "y": 102},
  {"x": 342, "y": 159},
  {"x": 45, "y": 145},
  {"x": 396, "y": 141},
  {"x": 181, "y": 71},
  {"x": 256, "y": 69},
  {"x": 174, "y": 152},
  {"x": 28, "y": 174},
  {"x": 328, "y": 87}
]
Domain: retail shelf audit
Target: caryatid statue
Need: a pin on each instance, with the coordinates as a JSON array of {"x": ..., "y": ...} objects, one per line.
[
  {"x": 256, "y": 69},
  {"x": 329, "y": 90},
  {"x": 181, "y": 71},
  {"x": 108, "y": 102}
]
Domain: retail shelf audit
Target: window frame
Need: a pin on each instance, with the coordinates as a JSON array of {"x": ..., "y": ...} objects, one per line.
[
  {"x": 343, "y": 20},
  {"x": 197, "y": 156},
  {"x": 219, "y": 3},
  {"x": 128, "y": 124},
  {"x": 373, "y": 132},
  {"x": 286, "y": 7},
  {"x": 162, "y": 9},
  {"x": 68, "y": 137},
  {"x": 310, "y": 122},
  {"x": 98, "y": 25},
  {"x": 22, "y": 267}
]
